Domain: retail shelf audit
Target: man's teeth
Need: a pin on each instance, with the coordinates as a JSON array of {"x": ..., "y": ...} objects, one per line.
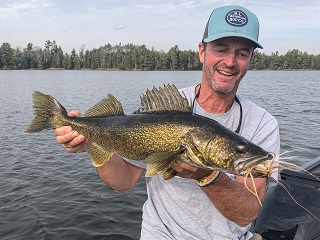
[{"x": 225, "y": 73}]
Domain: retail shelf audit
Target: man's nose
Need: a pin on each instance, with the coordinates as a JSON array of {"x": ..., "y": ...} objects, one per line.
[{"x": 230, "y": 60}]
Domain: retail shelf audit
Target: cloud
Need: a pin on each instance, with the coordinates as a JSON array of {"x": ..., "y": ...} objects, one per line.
[
  {"x": 119, "y": 26},
  {"x": 20, "y": 8},
  {"x": 160, "y": 23}
]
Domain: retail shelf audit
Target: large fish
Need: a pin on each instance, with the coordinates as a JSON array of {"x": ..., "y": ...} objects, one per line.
[{"x": 162, "y": 130}]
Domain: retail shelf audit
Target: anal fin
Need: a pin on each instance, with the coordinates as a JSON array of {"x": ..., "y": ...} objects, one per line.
[{"x": 98, "y": 155}]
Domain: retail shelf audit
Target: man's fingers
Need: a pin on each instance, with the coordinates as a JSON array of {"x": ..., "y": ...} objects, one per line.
[
  {"x": 186, "y": 170},
  {"x": 76, "y": 139},
  {"x": 177, "y": 167},
  {"x": 77, "y": 144},
  {"x": 62, "y": 130},
  {"x": 180, "y": 166},
  {"x": 74, "y": 113},
  {"x": 67, "y": 137},
  {"x": 74, "y": 149},
  {"x": 72, "y": 139}
]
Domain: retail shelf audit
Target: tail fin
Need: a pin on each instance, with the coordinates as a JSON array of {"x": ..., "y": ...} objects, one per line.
[{"x": 46, "y": 110}]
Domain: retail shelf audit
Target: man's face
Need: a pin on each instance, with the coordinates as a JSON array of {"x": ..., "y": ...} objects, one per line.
[{"x": 225, "y": 62}]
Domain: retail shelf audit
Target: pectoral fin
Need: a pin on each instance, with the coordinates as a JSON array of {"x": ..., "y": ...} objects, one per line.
[
  {"x": 98, "y": 155},
  {"x": 157, "y": 168},
  {"x": 161, "y": 163},
  {"x": 169, "y": 173}
]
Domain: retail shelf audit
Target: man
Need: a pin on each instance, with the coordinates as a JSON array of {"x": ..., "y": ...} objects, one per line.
[{"x": 223, "y": 209}]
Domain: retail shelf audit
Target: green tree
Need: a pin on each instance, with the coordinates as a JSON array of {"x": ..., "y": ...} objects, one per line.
[
  {"x": 66, "y": 62},
  {"x": 275, "y": 62},
  {"x": 81, "y": 56},
  {"x": 17, "y": 59},
  {"x": 174, "y": 57},
  {"x": 137, "y": 57},
  {"x": 86, "y": 59},
  {"x": 5, "y": 56},
  {"x": 39, "y": 56}
]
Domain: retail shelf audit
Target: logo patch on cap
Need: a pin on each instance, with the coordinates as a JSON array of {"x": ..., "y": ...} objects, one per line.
[{"x": 236, "y": 18}]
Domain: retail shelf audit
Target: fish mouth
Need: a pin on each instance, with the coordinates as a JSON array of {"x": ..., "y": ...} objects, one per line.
[{"x": 243, "y": 165}]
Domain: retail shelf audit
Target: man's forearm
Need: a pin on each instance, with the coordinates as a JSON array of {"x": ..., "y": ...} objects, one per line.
[
  {"x": 234, "y": 200},
  {"x": 119, "y": 174}
]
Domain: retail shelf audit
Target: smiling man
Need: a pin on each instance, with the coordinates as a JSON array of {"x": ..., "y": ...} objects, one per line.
[{"x": 202, "y": 204}]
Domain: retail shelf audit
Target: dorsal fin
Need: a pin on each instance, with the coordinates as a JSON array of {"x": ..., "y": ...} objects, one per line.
[
  {"x": 106, "y": 107},
  {"x": 164, "y": 100}
]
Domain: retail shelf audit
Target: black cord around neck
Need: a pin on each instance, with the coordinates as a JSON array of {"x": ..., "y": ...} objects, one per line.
[
  {"x": 196, "y": 96},
  {"x": 240, "y": 118},
  {"x": 236, "y": 99}
]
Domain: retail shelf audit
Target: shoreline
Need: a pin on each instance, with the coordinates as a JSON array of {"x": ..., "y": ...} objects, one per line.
[{"x": 142, "y": 70}]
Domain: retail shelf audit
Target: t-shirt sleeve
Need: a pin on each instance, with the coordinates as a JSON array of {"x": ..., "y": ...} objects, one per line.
[
  {"x": 268, "y": 136},
  {"x": 138, "y": 163}
]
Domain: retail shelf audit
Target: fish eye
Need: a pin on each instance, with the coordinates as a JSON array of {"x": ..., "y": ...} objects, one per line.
[
  {"x": 270, "y": 156},
  {"x": 242, "y": 146}
]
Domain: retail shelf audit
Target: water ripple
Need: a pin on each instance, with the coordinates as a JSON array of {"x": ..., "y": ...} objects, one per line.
[{"x": 46, "y": 193}]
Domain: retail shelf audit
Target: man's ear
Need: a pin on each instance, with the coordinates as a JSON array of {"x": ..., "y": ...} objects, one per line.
[
  {"x": 201, "y": 51},
  {"x": 253, "y": 51}
]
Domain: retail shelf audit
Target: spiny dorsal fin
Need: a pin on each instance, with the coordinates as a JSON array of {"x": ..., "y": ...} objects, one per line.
[
  {"x": 106, "y": 107},
  {"x": 164, "y": 100}
]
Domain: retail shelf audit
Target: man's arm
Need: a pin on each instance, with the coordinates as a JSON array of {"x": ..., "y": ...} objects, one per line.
[
  {"x": 231, "y": 198},
  {"x": 234, "y": 200},
  {"x": 119, "y": 174}
]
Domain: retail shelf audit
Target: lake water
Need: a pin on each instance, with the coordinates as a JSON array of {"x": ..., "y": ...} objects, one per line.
[{"x": 47, "y": 193}]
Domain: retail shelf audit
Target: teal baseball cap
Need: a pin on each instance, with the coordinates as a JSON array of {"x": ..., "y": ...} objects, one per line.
[{"x": 232, "y": 21}]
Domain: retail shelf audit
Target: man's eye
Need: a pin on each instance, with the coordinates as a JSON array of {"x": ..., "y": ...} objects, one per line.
[
  {"x": 244, "y": 55},
  {"x": 220, "y": 51}
]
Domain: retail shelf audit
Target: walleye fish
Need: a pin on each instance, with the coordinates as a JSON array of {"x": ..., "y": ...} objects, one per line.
[{"x": 162, "y": 130}]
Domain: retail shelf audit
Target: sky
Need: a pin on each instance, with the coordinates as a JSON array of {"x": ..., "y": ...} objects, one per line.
[{"x": 162, "y": 24}]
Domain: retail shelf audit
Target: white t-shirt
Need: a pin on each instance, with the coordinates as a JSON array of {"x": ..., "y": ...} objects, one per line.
[{"x": 178, "y": 208}]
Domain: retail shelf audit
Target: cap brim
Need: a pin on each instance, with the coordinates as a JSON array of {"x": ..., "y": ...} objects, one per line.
[{"x": 231, "y": 34}]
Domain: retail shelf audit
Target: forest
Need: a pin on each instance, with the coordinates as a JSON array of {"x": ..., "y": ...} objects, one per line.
[{"x": 136, "y": 57}]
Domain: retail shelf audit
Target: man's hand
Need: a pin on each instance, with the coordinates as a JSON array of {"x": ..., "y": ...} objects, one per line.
[
  {"x": 185, "y": 170},
  {"x": 70, "y": 139}
]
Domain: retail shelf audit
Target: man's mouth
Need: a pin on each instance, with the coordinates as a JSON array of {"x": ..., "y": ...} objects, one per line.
[{"x": 227, "y": 74}]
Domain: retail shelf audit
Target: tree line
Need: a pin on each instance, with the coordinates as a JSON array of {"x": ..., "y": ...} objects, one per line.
[{"x": 136, "y": 57}]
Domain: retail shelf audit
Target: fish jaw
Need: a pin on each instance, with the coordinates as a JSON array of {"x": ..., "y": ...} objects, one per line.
[{"x": 257, "y": 166}]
